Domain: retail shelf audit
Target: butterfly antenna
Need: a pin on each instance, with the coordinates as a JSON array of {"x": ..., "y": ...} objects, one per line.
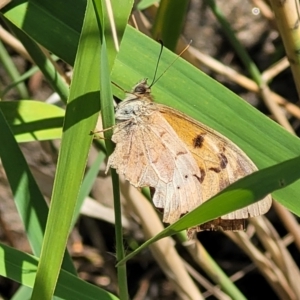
[
  {"x": 179, "y": 55},
  {"x": 159, "y": 56},
  {"x": 118, "y": 86}
]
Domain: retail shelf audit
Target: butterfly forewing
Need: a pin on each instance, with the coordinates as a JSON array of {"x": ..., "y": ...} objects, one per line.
[{"x": 149, "y": 153}]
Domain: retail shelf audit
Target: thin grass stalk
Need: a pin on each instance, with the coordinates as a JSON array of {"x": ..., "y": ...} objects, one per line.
[
  {"x": 108, "y": 121},
  {"x": 44, "y": 64},
  {"x": 270, "y": 271},
  {"x": 212, "y": 269},
  {"x": 287, "y": 15},
  {"x": 250, "y": 66},
  {"x": 13, "y": 72},
  {"x": 163, "y": 251},
  {"x": 238, "y": 47}
]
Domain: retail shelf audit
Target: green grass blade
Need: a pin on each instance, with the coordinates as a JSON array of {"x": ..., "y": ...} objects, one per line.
[
  {"x": 81, "y": 116},
  {"x": 23, "y": 293},
  {"x": 57, "y": 24},
  {"x": 107, "y": 113},
  {"x": 20, "y": 79},
  {"x": 169, "y": 22},
  {"x": 26, "y": 193},
  {"x": 33, "y": 120}
]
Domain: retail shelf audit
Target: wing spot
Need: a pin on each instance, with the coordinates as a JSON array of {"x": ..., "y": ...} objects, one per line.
[
  {"x": 223, "y": 160},
  {"x": 154, "y": 161},
  {"x": 181, "y": 153},
  {"x": 198, "y": 141},
  {"x": 216, "y": 170},
  {"x": 186, "y": 176},
  {"x": 178, "y": 188},
  {"x": 202, "y": 172},
  {"x": 161, "y": 134}
]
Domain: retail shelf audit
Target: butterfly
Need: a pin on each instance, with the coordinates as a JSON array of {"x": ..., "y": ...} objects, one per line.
[{"x": 184, "y": 161}]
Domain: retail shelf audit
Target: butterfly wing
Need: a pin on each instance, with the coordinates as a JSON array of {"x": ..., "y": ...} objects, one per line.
[
  {"x": 149, "y": 153},
  {"x": 220, "y": 163}
]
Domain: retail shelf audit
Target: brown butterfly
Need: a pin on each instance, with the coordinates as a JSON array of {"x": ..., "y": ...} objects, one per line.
[{"x": 183, "y": 160}]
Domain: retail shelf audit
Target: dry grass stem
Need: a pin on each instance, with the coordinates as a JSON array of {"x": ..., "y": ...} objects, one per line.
[
  {"x": 275, "y": 69},
  {"x": 141, "y": 23},
  {"x": 277, "y": 250},
  {"x": 266, "y": 266},
  {"x": 289, "y": 221},
  {"x": 275, "y": 109},
  {"x": 242, "y": 80},
  {"x": 212, "y": 290},
  {"x": 264, "y": 9},
  {"x": 14, "y": 43},
  {"x": 112, "y": 25},
  {"x": 287, "y": 19},
  {"x": 241, "y": 273}
]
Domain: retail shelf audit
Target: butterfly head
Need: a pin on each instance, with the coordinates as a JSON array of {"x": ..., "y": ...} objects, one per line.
[{"x": 142, "y": 89}]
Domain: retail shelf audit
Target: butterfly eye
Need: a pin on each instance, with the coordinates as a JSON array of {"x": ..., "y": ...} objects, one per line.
[{"x": 141, "y": 89}]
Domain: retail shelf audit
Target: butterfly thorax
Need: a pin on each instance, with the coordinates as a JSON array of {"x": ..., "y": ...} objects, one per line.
[
  {"x": 137, "y": 104},
  {"x": 134, "y": 109}
]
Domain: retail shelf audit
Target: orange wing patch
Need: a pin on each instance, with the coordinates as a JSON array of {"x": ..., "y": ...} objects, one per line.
[{"x": 220, "y": 161}]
